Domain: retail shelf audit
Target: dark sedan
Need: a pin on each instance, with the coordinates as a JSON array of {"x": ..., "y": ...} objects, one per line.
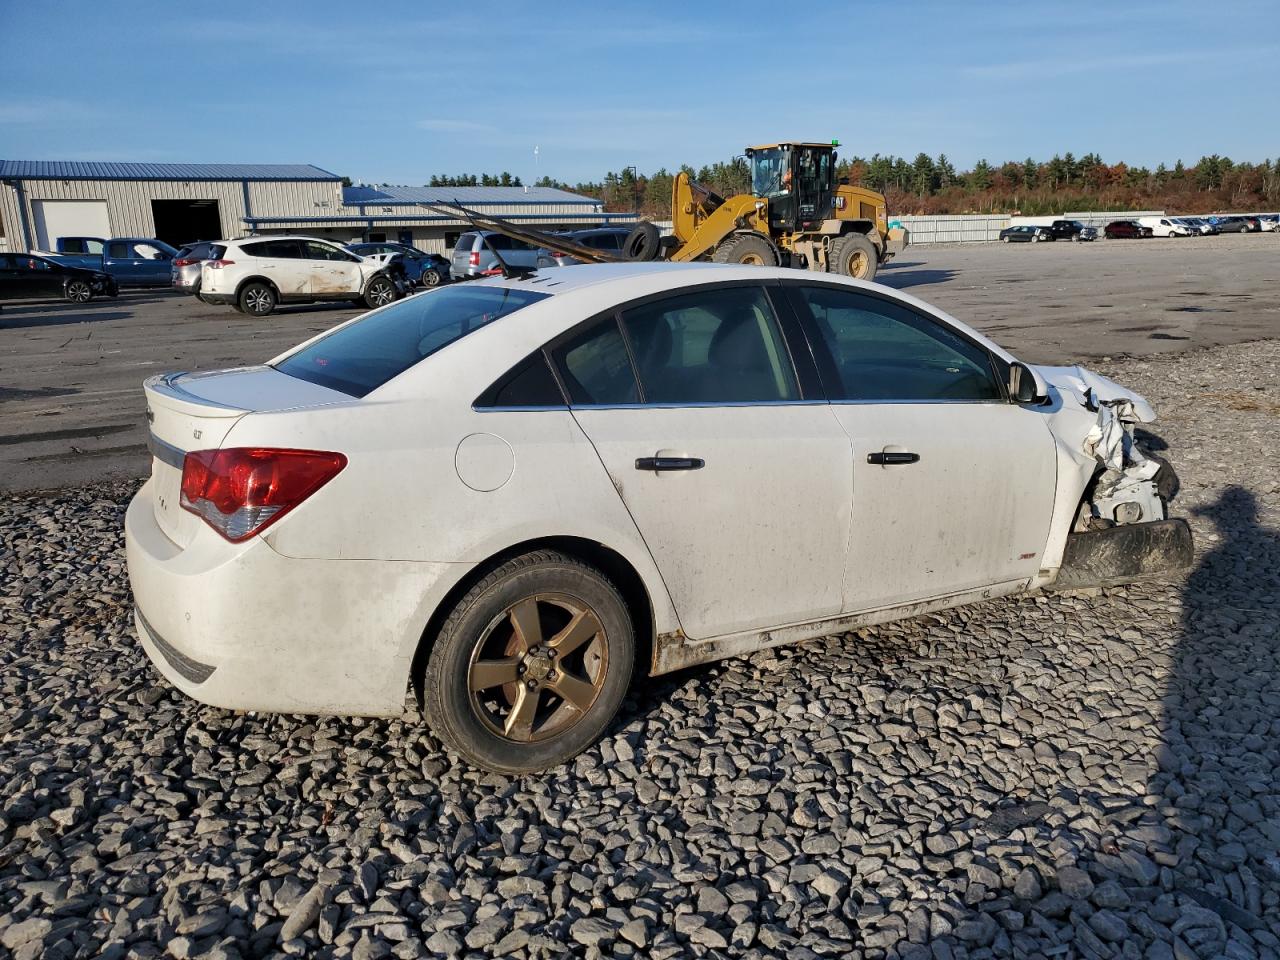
[
  {"x": 1027, "y": 233},
  {"x": 24, "y": 275},
  {"x": 1125, "y": 230}
]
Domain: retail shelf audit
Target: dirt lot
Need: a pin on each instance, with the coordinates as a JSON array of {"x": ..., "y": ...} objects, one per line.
[{"x": 71, "y": 406}]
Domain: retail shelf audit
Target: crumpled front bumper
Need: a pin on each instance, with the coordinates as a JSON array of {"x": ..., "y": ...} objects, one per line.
[{"x": 1125, "y": 553}]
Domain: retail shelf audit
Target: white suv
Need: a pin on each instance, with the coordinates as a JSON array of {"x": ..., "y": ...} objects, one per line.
[{"x": 257, "y": 273}]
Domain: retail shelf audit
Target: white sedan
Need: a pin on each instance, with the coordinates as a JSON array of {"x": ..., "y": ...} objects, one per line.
[{"x": 514, "y": 494}]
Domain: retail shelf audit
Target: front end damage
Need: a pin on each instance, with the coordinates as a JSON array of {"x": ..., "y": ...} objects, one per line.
[{"x": 1121, "y": 532}]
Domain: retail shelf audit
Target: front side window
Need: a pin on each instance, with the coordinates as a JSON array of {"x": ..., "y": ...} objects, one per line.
[
  {"x": 883, "y": 351},
  {"x": 363, "y": 355},
  {"x": 147, "y": 251},
  {"x": 767, "y": 173},
  {"x": 720, "y": 345}
]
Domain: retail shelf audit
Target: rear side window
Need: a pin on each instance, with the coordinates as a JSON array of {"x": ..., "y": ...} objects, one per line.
[
  {"x": 363, "y": 355},
  {"x": 274, "y": 249},
  {"x": 529, "y": 384},
  {"x": 596, "y": 367},
  {"x": 711, "y": 346},
  {"x": 117, "y": 251}
]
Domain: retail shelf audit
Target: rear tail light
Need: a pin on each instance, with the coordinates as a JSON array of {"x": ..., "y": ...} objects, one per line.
[
  {"x": 219, "y": 264},
  {"x": 240, "y": 491},
  {"x": 475, "y": 258},
  {"x": 184, "y": 263}
]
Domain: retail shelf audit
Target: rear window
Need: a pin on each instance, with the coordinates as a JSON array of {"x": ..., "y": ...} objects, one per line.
[
  {"x": 465, "y": 243},
  {"x": 363, "y": 355}
]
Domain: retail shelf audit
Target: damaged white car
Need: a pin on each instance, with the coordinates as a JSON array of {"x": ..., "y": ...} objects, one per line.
[{"x": 511, "y": 496}]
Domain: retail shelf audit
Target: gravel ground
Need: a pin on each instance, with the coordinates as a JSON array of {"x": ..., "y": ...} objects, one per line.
[{"x": 1048, "y": 776}]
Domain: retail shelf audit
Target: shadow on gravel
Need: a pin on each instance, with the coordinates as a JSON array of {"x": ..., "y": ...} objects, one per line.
[
  {"x": 1219, "y": 764},
  {"x": 900, "y": 280}
]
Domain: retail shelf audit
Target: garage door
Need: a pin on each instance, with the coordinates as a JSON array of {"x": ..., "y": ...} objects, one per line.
[{"x": 69, "y": 218}]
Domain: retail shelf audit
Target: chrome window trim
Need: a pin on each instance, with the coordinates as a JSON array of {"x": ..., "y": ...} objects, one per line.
[{"x": 701, "y": 404}]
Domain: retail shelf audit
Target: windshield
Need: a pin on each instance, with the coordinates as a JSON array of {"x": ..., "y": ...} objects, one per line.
[
  {"x": 366, "y": 353},
  {"x": 767, "y": 173}
]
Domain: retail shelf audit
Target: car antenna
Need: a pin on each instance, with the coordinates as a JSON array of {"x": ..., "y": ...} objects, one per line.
[{"x": 508, "y": 272}]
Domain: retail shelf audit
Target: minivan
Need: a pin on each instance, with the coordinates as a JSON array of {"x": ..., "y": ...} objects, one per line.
[{"x": 473, "y": 257}]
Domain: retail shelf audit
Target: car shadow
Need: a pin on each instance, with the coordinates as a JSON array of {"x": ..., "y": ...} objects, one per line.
[{"x": 901, "y": 279}]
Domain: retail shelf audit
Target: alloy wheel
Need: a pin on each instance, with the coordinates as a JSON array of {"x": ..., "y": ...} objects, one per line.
[
  {"x": 258, "y": 300},
  {"x": 78, "y": 291},
  {"x": 381, "y": 293},
  {"x": 538, "y": 668}
]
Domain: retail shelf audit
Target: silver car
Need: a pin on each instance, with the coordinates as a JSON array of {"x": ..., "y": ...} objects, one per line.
[
  {"x": 184, "y": 268},
  {"x": 473, "y": 256}
]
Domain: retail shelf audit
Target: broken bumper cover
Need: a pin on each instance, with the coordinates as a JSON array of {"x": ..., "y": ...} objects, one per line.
[{"x": 1125, "y": 554}]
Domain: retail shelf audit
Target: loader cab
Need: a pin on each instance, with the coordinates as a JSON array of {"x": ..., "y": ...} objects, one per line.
[{"x": 797, "y": 180}]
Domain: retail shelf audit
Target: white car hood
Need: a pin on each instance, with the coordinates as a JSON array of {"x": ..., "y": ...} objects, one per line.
[{"x": 1088, "y": 388}]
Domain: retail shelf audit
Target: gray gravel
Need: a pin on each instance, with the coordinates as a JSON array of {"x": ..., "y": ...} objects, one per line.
[{"x": 1047, "y": 776}]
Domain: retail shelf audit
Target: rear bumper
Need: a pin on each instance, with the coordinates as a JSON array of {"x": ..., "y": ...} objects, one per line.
[{"x": 243, "y": 627}]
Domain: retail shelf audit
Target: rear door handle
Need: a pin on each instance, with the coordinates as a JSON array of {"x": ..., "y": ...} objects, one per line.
[
  {"x": 657, "y": 464},
  {"x": 893, "y": 458}
]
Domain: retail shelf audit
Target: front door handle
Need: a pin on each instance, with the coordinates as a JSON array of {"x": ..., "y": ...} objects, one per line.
[
  {"x": 657, "y": 464},
  {"x": 893, "y": 458}
]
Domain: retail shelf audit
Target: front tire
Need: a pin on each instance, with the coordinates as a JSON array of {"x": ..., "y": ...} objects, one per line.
[
  {"x": 853, "y": 255},
  {"x": 79, "y": 291},
  {"x": 379, "y": 293},
  {"x": 531, "y": 665},
  {"x": 430, "y": 278},
  {"x": 747, "y": 248},
  {"x": 256, "y": 299}
]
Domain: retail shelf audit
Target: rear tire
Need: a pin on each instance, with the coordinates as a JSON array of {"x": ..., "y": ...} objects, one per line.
[
  {"x": 79, "y": 291},
  {"x": 256, "y": 299},
  {"x": 644, "y": 242},
  {"x": 379, "y": 293},
  {"x": 853, "y": 255},
  {"x": 747, "y": 248},
  {"x": 490, "y": 686}
]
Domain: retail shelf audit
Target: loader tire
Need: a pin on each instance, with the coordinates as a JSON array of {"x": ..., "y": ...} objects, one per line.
[
  {"x": 643, "y": 242},
  {"x": 853, "y": 255},
  {"x": 752, "y": 248}
]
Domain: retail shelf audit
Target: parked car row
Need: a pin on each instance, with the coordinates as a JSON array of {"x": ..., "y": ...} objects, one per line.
[{"x": 1057, "y": 230}]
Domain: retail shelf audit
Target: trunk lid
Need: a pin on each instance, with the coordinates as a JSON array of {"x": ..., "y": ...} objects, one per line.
[{"x": 196, "y": 411}]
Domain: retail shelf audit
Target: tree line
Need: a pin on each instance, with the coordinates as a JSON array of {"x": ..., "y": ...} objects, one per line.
[{"x": 934, "y": 185}]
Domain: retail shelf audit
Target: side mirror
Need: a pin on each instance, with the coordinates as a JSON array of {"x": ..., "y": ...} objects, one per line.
[{"x": 1025, "y": 386}]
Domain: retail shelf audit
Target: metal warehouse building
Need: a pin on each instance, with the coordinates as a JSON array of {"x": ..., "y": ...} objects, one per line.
[
  {"x": 181, "y": 202},
  {"x": 176, "y": 202}
]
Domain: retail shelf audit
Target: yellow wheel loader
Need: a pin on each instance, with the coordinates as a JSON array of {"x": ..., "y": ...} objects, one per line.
[{"x": 796, "y": 215}]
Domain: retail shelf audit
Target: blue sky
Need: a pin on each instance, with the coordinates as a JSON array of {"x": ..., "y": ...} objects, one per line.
[{"x": 394, "y": 92}]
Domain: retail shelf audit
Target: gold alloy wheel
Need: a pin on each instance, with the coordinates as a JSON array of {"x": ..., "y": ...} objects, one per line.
[
  {"x": 753, "y": 259},
  {"x": 538, "y": 668}
]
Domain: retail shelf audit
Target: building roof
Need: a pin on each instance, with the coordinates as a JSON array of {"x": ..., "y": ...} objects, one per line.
[
  {"x": 389, "y": 196},
  {"x": 103, "y": 170}
]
